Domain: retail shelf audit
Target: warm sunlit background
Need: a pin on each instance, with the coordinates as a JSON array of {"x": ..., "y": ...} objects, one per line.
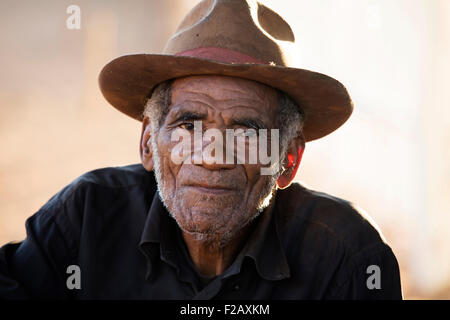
[{"x": 392, "y": 158}]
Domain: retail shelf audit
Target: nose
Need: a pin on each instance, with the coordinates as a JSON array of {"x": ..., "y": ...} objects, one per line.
[
  {"x": 217, "y": 166},
  {"x": 214, "y": 153},
  {"x": 210, "y": 150}
]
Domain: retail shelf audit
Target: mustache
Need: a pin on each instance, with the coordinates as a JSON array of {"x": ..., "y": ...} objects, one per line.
[{"x": 193, "y": 175}]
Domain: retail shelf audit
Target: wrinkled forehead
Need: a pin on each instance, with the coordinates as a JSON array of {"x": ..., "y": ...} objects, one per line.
[{"x": 224, "y": 88}]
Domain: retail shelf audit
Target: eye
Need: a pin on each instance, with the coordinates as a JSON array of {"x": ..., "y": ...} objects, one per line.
[
  {"x": 250, "y": 132},
  {"x": 187, "y": 126},
  {"x": 246, "y": 132}
]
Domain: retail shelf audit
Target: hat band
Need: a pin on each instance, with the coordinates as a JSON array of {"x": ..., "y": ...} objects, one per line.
[{"x": 220, "y": 54}]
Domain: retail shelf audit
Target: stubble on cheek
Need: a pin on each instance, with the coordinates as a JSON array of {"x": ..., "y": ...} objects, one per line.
[
  {"x": 209, "y": 214},
  {"x": 213, "y": 218},
  {"x": 218, "y": 219},
  {"x": 209, "y": 217}
]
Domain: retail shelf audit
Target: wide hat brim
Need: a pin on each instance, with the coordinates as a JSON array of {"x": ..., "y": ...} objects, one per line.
[{"x": 126, "y": 83}]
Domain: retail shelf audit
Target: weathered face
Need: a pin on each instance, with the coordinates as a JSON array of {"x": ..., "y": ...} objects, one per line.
[{"x": 214, "y": 201}]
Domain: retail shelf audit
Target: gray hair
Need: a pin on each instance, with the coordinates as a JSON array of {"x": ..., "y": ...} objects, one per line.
[
  {"x": 290, "y": 120},
  {"x": 290, "y": 116}
]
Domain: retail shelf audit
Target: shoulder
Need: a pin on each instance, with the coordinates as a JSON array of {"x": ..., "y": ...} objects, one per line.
[
  {"x": 110, "y": 197},
  {"x": 322, "y": 215},
  {"x": 334, "y": 243},
  {"x": 102, "y": 181}
]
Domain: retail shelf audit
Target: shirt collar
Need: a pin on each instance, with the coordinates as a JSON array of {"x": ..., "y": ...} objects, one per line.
[
  {"x": 152, "y": 227},
  {"x": 263, "y": 245}
]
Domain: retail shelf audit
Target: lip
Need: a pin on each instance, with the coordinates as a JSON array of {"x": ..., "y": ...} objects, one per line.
[{"x": 211, "y": 189}]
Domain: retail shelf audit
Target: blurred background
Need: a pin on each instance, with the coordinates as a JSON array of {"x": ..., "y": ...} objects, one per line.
[{"x": 392, "y": 158}]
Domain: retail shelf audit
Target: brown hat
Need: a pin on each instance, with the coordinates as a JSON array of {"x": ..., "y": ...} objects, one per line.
[{"x": 239, "y": 38}]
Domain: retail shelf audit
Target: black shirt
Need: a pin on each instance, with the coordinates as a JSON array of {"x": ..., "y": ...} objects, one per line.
[{"x": 111, "y": 223}]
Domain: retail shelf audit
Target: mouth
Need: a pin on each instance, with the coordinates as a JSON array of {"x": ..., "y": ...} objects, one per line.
[{"x": 211, "y": 189}]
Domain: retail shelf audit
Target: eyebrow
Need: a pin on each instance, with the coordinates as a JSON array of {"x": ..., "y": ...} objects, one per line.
[
  {"x": 183, "y": 114},
  {"x": 188, "y": 116},
  {"x": 250, "y": 123}
]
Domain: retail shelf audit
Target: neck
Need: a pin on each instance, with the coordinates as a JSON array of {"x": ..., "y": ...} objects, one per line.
[{"x": 212, "y": 258}]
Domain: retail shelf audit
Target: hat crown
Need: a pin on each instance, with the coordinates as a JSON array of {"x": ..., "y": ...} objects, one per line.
[
  {"x": 234, "y": 38},
  {"x": 237, "y": 26}
]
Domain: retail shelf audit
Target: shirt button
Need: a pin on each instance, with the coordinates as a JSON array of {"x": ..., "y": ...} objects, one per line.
[{"x": 237, "y": 287}]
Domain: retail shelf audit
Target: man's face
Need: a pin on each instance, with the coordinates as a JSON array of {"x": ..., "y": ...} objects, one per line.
[{"x": 213, "y": 201}]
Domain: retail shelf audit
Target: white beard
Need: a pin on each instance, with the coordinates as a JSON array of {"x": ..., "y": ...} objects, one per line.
[{"x": 212, "y": 238}]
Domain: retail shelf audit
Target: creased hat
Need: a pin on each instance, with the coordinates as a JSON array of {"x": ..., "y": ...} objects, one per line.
[{"x": 239, "y": 38}]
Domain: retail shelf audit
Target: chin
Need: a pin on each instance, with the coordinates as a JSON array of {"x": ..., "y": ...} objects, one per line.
[
  {"x": 212, "y": 239},
  {"x": 213, "y": 226}
]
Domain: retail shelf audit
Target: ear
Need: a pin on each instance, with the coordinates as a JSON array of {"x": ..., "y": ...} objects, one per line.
[
  {"x": 145, "y": 149},
  {"x": 294, "y": 157}
]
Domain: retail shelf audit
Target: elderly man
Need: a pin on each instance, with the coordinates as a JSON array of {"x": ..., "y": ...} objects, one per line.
[{"x": 198, "y": 219}]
